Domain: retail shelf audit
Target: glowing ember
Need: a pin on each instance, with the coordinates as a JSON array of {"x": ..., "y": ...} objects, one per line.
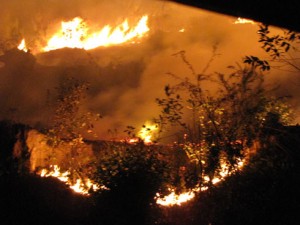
[
  {"x": 22, "y": 46},
  {"x": 133, "y": 140},
  {"x": 80, "y": 186},
  {"x": 243, "y": 21},
  {"x": 75, "y": 34}
]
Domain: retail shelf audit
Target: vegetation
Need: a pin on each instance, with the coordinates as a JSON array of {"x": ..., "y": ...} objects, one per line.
[
  {"x": 132, "y": 175},
  {"x": 70, "y": 124},
  {"x": 281, "y": 47},
  {"x": 218, "y": 127},
  {"x": 214, "y": 127},
  {"x": 124, "y": 166}
]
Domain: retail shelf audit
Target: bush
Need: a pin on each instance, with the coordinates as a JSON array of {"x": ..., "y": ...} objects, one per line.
[
  {"x": 133, "y": 174},
  {"x": 132, "y": 167},
  {"x": 217, "y": 127}
]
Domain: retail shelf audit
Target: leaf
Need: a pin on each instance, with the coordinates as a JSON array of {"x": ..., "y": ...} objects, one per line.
[
  {"x": 167, "y": 90},
  {"x": 287, "y": 48}
]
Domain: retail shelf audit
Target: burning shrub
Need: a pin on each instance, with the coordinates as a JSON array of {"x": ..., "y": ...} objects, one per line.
[{"x": 218, "y": 127}]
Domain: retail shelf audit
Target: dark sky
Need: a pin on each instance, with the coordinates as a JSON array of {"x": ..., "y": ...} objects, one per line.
[{"x": 124, "y": 80}]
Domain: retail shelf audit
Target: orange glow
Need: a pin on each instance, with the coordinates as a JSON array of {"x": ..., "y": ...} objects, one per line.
[
  {"x": 133, "y": 140},
  {"x": 76, "y": 34},
  {"x": 22, "y": 46},
  {"x": 80, "y": 186}
]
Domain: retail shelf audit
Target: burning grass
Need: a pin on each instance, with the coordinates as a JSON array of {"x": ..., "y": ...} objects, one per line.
[
  {"x": 133, "y": 188},
  {"x": 82, "y": 186},
  {"x": 117, "y": 161},
  {"x": 77, "y": 34}
]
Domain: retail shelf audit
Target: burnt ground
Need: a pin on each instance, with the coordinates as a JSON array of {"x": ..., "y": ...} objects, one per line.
[{"x": 266, "y": 192}]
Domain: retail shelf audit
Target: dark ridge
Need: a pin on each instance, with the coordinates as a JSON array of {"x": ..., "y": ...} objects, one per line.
[{"x": 274, "y": 12}]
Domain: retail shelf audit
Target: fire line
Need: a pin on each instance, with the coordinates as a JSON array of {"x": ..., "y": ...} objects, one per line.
[{"x": 76, "y": 34}]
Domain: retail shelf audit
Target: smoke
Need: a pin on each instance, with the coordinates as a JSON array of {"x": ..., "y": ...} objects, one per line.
[{"x": 124, "y": 80}]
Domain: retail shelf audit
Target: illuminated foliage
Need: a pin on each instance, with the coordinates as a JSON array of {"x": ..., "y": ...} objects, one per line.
[
  {"x": 70, "y": 124},
  {"x": 218, "y": 127},
  {"x": 70, "y": 120},
  {"x": 133, "y": 169}
]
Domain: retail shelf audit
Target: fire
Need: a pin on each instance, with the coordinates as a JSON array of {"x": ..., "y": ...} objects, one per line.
[
  {"x": 132, "y": 140},
  {"x": 243, "y": 21},
  {"x": 177, "y": 199},
  {"x": 76, "y": 34},
  {"x": 22, "y": 46},
  {"x": 80, "y": 186},
  {"x": 147, "y": 131},
  {"x": 174, "y": 199}
]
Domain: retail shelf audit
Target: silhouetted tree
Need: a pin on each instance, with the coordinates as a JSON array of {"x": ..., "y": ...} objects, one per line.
[{"x": 282, "y": 48}]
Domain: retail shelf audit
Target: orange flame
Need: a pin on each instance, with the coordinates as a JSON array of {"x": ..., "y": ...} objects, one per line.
[
  {"x": 147, "y": 132},
  {"x": 240, "y": 20},
  {"x": 75, "y": 34},
  {"x": 174, "y": 199},
  {"x": 178, "y": 199},
  {"x": 22, "y": 46},
  {"x": 80, "y": 186}
]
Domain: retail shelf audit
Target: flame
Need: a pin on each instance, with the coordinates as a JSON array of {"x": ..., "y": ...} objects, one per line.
[
  {"x": 240, "y": 20},
  {"x": 133, "y": 140},
  {"x": 80, "y": 186},
  {"x": 75, "y": 34},
  {"x": 174, "y": 199},
  {"x": 147, "y": 131},
  {"x": 177, "y": 199},
  {"x": 22, "y": 46}
]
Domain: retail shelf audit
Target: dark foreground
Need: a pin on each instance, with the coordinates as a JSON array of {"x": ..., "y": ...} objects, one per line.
[{"x": 266, "y": 192}]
